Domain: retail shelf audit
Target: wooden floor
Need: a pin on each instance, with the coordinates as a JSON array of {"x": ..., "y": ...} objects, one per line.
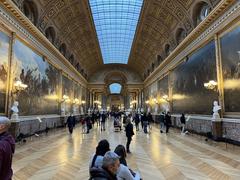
[{"x": 156, "y": 156}]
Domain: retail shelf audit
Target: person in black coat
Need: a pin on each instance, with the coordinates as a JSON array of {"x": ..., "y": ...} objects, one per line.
[
  {"x": 136, "y": 120},
  {"x": 168, "y": 121},
  {"x": 102, "y": 119},
  {"x": 144, "y": 119},
  {"x": 129, "y": 132},
  {"x": 183, "y": 122},
  {"x": 71, "y": 121},
  {"x": 162, "y": 120}
]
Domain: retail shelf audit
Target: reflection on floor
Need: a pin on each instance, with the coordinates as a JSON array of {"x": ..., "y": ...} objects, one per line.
[{"x": 156, "y": 156}]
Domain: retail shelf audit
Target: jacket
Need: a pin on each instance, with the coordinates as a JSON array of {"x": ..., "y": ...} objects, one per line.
[
  {"x": 7, "y": 148},
  {"x": 101, "y": 174},
  {"x": 129, "y": 130}
]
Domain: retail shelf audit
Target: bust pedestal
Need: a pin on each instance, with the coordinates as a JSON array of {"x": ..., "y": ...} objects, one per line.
[{"x": 216, "y": 127}]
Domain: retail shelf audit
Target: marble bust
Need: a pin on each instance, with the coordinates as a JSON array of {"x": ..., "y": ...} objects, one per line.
[
  {"x": 14, "y": 110},
  {"x": 216, "y": 108}
]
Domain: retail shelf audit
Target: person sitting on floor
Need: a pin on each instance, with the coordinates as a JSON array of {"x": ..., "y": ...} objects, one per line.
[
  {"x": 110, "y": 166},
  {"x": 124, "y": 172},
  {"x": 101, "y": 149}
]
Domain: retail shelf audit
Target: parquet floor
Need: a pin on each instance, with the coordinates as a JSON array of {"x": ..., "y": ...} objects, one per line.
[{"x": 156, "y": 156}]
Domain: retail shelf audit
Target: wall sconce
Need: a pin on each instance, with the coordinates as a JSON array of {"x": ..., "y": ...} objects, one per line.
[
  {"x": 133, "y": 102},
  {"x": 19, "y": 86},
  {"x": 76, "y": 101},
  {"x": 155, "y": 101},
  {"x": 97, "y": 102},
  {"x": 83, "y": 102},
  {"x": 65, "y": 98},
  {"x": 147, "y": 102},
  {"x": 210, "y": 85},
  {"x": 165, "y": 97}
]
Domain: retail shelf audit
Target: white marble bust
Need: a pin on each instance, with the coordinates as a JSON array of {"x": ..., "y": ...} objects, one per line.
[
  {"x": 14, "y": 110},
  {"x": 216, "y": 108}
]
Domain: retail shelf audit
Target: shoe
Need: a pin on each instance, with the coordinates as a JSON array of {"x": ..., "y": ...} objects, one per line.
[
  {"x": 129, "y": 152},
  {"x": 161, "y": 131}
]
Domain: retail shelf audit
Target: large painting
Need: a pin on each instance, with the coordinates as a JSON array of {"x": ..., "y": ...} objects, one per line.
[
  {"x": 41, "y": 95},
  {"x": 163, "y": 93},
  {"x": 4, "y": 49},
  {"x": 230, "y": 51},
  {"x": 77, "y": 98},
  {"x": 187, "y": 80},
  {"x": 67, "y": 90}
]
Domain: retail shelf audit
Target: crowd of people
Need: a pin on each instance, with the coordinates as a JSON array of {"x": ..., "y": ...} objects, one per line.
[{"x": 105, "y": 164}]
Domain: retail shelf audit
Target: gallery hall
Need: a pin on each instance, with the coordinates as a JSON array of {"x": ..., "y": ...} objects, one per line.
[{"x": 119, "y": 89}]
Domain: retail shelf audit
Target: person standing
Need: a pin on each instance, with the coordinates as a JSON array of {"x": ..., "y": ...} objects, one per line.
[
  {"x": 168, "y": 121},
  {"x": 183, "y": 122},
  {"x": 102, "y": 120},
  {"x": 162, "y": 119},
  {"x": 7, "y": 148},
  {"x": 136, "y": 120},
  {"x": 145, "y": 122},
  {"x": 71, "y": 123},
  {"x": 129, "y": 132},
  {"x": 150, "y": 120}
]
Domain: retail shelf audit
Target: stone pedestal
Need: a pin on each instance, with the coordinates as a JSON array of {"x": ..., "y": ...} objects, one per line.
[
  {"x": 14, "y": 128},
  {"x": 217, "y": 130}
]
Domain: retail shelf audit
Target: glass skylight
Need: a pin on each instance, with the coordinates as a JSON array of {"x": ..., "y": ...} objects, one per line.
[
  {"x": 115, "y": 88},
  {"x": 115, "y": 22}
]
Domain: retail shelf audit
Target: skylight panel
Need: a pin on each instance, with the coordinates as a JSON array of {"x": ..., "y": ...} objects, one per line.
[{"x": 115, "y": 22}]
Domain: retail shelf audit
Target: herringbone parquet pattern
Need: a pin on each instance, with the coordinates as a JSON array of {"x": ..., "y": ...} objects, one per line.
[{"x": 156, "y": 156}]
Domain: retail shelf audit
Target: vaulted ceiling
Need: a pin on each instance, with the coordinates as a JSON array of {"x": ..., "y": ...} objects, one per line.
[{"x": 157, "y": 27}]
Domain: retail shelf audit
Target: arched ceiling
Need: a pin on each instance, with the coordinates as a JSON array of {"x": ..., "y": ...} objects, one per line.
[
  {"x": 158, "y": 23},
  {"x": 73, "y": 23}
]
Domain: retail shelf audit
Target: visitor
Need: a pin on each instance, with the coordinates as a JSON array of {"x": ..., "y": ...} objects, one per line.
[
  {"x": 129, "y": 132},
  {"x": 162, "y": 119},
  {"x": 124, "y": 172},
  {"x": 102, "y": 147},
  {"x": 7, "y": 147},
  {"x": 168, "y": 121},
  {"x": 183, "y": 122},
  {"x": 108, "y": 171},
  {"x": 71, "y": 123}
]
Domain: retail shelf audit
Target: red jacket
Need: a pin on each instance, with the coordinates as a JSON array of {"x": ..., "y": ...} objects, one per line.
[{"x": 7, "y": 147}]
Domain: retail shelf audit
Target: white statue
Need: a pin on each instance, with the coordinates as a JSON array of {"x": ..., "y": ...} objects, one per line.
[
  {"x": 82, "y": 110},
  {"x": 216, "y": 108},
  {"x": 156, "y": 109},
  {"x": 62, "y": 109},
  {"x": 75, "y": 109},
  {"x": 15, "y": 110}
]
